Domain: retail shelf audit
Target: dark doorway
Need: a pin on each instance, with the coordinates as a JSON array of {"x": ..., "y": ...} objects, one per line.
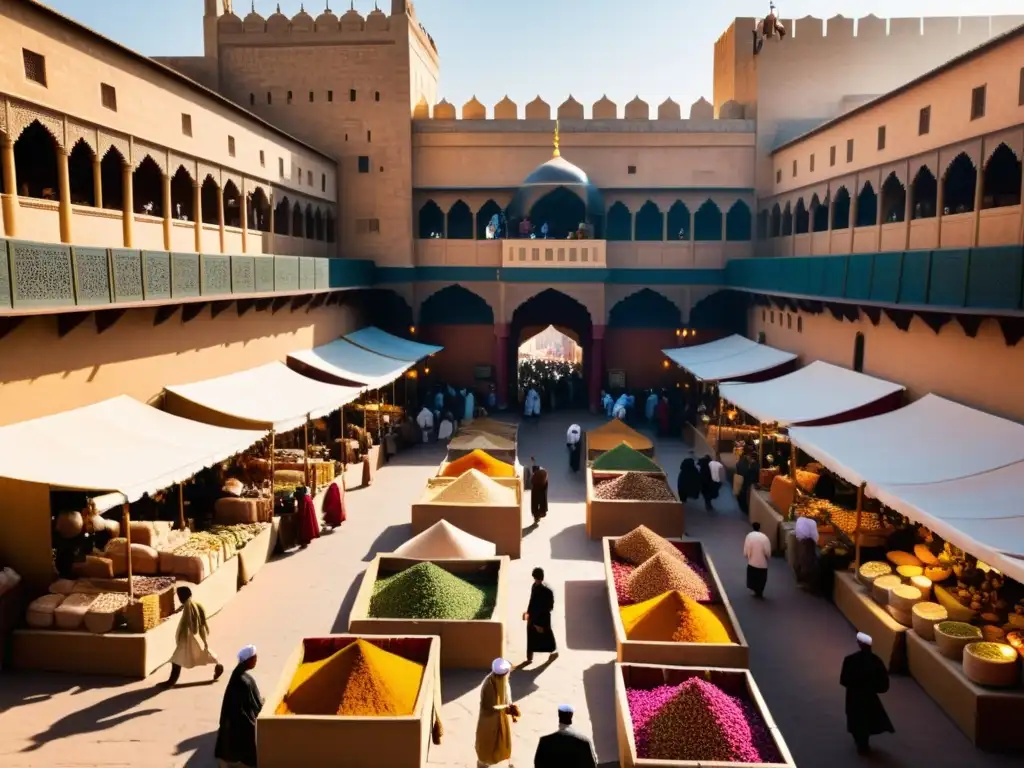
[
  {"x": 181, "y": 195},
  {"x": 35, "y": 162},
  {"x": 147, "y": 188},
  {"x": 562, "y": 210},
  {"x": 210, "y": 194},
  {"x": 112, "y": 178},
  {"x": 80, "y": 175}
]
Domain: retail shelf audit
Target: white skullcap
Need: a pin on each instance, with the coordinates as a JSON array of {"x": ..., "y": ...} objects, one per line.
[
  {"x": 246, "y": 653},
  {"x": 566, "y": 708},
  {"x": 500, "y": 667},
  {"x": 864, "y": 638}
]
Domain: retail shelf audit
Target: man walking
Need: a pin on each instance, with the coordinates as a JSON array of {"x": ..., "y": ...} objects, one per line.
[
  {"x": 757, "y": 549},
  {"x": 864, "y": 676},
  {"x": 566, "y": 747},
  {"x": 540, "y": 638},
  {"x": 192, "y": 638}
]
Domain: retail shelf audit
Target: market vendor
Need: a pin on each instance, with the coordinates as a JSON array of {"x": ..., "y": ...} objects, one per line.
[{"x": 497, "y": 712}]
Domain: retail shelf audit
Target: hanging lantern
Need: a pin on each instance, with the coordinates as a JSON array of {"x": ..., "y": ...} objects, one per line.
[{"x": 732, "y": 414}]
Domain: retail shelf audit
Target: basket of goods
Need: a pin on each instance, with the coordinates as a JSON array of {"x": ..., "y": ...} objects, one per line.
[
  {"x": 145, "y": 559},
  {"x": 882, "y": 586},
  {"x": 144, "y": 614},
  {"x": 868, "y": 572},
  {"x": 71, "y": 612},
  {"x": 39, "y": 614},
  {"x": 902, "y": 600},
  {"x": 923, "y": 618},
  {"x": 95, "y": 566},
  {"x": 956, "y": 601},
  {"x": 992, "y": 664},
  {"x": 105, "y": 611},
  {"x": 924, "y": 584},
  {"x": 953, "y": 636}
]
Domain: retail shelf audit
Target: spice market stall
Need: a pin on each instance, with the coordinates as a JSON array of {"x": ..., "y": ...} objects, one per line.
[
  {"x": 614, "y": 433},
  {"x": 617, "y": 502},
  {"x": 109, "y": 611},
  {"x": 463, "y": 602},
  {"x": 668, "y": 605},
  {"x": 675, "y": 717},
  {"x": 443, "y": 541},
  {"x": 377, "y": 698}
]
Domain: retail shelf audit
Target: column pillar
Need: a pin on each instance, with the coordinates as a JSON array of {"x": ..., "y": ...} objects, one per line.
[
  {"x": 693, "y": 233},
  {"x": 64, "y": 195},
  {"x": 272, "y": 228},
  {"x": 664, "y": 226},
  {"x": 97, "y": 181},
  {"x": 940, "y": 201},
  {"x": 853, "y": 218},
  {"x": 127, "y": 205},
  {"x": 501, "y": 383},
  {"x": 243, "y": 205},
  {"x": 978, "y": 192},
  {"x": 197, "y": 214},
  {"x": 596, "y": 367},
  {"x": 908, "y": 211},
  {"x": 165, "y": 189},
  {"x": 10, "y": 196},
  {"x": 220, "y": 216}
]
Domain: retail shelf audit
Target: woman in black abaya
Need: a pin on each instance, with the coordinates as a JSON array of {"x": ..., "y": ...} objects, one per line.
[{"x": 540, "y": 638}]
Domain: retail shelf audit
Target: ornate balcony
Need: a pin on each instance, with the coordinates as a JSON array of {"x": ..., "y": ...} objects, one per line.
[{"x": 554, "y": 253}]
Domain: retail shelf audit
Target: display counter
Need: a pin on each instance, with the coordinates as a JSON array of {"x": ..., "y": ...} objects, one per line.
[
  {"x": 123, "y": 654},
  {"x": 255, "y": 554},
  {"x": 617, "y": 517},
  {"x": 321, "y": 472},
  {"x": 888, "y": 635},
  {"x": 471, "y": 644},
  {"x": 286, "y": 741},
  {"x": 764, "y": 512},
  {"x": 989, "y": 717}
]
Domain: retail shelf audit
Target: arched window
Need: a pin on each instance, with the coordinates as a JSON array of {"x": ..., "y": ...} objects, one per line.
[
  {"x": 281, "y": 216},
  {"x": 460, "y": 222},
  {"x": 924, "y": 194},
  {"x": 80, "y": 174},
  {"x": 487, "y": 211},
  {"x": 431, "y": 220},
  {"x": 867, "y": 206},
  {"x": 147, "y": 188},
  {"x": 894, "y": 200},
  {"x": 858, "y": 353},
  {"x": 210, "y": 194},
  {"x": 679, "y": 222},
  {"x": 620, "y": 223},
  {"x": 841, "y": 210},
  {"x": 329, "y": 227},
  {"x": 310, "y": 224},
  {"x": 232, "y": 205},
  {"x": 776, "y": 223},
  {"x": 181, "y": 195},
  {"x": 318, "y": 225},
  {"x": 259, "y": 211},
  {"x": 737, "y": 222},
  {"x": 650, "y": 223},
  {"x": 802, "y": 220},
  {"x": 112, "y": 179},
  {"x": 819, "y": 214},
  {"x": 1001, "y": 180},
  {"x": 298, "y": 223},
  {"x": 707, "y": 222},
  {"x": 35, "y": 162},
  {"x": 787, "y": 221},
  {"x": 762, "y": 224},
  {"x": 958, "y": 186}
]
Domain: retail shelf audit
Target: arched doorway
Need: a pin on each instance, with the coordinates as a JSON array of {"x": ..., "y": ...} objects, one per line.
[
  {"x": 639, "y": 327},
  {"x": 561, "y": 209},
  {"x": 462, "y": 322},
  {"x": 566, "y": 314},
  {"x": 387, "y": 310}
]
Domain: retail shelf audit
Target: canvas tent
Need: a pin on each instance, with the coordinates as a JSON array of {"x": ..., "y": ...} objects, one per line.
[
  {"x": 341, "y": 361},
  {"x": 730, "y": 358},
  {"x": 388, "y": 345},
  {"x": 816, "y": 393}
]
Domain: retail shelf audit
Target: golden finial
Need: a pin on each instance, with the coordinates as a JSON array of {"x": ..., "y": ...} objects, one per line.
[{"x": 557, "y": 152}]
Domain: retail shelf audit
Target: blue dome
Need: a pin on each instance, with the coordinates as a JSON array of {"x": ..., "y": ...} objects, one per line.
[{"x": 557, "y": 171}]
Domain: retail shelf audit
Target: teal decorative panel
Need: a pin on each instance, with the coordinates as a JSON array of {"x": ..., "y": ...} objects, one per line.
[
  {"x": 307, "y": 273},
  {"x": 352, "y": 273},
  {"x": 885, "y": 277},
  {"x": 263, "y": 271},
  {"x": 156, "y": 274},
  {"x": 948, "y": 284},
  {"x": 126, "y": 269},
  {"x": 917, "y": 269},
  {"x": 835, "y": 276},
  {"x": 322, "y": 274},
  {"x": 995, "y": 277},
  {"x": 815, "y": 276},
  {"x": 92, "y": 275},
  {"x": 215, "y": 273},
  {"x": 185, "y": 275},
  {"x": 858, "y": 276},
  {"x": 41, "y": 274},
  {"x": 243, "y": 273},
  {"x": 286, "y": 273},
  {"x": 5, "y": 277}
]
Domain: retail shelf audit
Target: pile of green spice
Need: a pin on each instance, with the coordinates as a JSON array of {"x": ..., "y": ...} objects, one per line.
[
  {"x": 427, "y": 591},
  {"x": 623, "y": 458}
]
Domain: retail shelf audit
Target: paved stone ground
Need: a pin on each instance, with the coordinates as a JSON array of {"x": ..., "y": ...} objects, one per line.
[{"x": 797, "y": 644}]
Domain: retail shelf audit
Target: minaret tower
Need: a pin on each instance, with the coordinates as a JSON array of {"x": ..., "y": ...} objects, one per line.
[{"x": 212, "y": 12}]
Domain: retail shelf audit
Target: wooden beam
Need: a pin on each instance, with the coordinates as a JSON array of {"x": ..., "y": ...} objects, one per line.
[
  {"x": 217, "y": 307},
  {"x": 279, "y": 304},
  {"x": 107, "y": 319},
  {"x": 68, "y": 321},
  {"x": 244, "y": 305},
  {"x": 164, "y": 313},
  {"x": 190, "y": 312},
  {"x": 300, "y": 301}
]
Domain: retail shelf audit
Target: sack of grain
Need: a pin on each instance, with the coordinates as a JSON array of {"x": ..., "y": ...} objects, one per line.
[
  {"x": 142, "y": 533},
  {"x": 145, "y": 559},
  {"x": 142, "y": 615},
  {"x": 193, "y": 568},
  {"x": 232, "y": 511},
  {"x": 39, "y": 614},
  {"x": 103, "y": 613},
  {"x": 94, "y": 567},
  {"x": 63, "y": 587},
  {"x": 70, "y": 613}
]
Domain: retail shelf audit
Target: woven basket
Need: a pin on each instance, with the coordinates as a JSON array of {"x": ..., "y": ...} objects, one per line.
[
  {"x": 953, "y": 647},
  {"x": 924, "y": 617},
  {"x": 143, "y": 615},
  {"x": 1004, "y": 673}
]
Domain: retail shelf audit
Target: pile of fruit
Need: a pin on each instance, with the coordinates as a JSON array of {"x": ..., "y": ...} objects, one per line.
[
  {"x": 843, "y": 519},
  {"x": 237, "y": 536}
]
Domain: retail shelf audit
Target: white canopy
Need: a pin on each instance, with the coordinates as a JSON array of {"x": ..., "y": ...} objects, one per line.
[
  {"x": 819, "y": 391},
  {"x": 272, "y": 396},
  {"x": 383, "y": 343},
  {"x": 730, "y": 358},
  {"x": 444, "y": 540},
  {"x": 117, "y": 445},
  {"x": 349, "y": 362}
]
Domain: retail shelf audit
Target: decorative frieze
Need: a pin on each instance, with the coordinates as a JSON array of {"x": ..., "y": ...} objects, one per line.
[
  {"x": 41, "y": 274},
  {"x": 92, "y": 275}
]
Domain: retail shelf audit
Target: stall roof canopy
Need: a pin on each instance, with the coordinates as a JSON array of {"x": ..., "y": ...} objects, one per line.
[
  {"x": 117, "y": 445},
  {"x": 819, "y": 391},
  {"x": 269, "y": 397},
  {"x": 728, "y": 358},
  {"x": 345, "y": 360},
  {"x": 383, "y": 343}
]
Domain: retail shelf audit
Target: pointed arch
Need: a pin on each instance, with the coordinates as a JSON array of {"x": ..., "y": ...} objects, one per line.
[
  {"x": 112, "y": 179},
  {"x": 645, "y": 309},
  {"x": 650, "y": 223},
  {"x": 310, "y": 228},
  {"x": 147, "y": 188},
  {"x": 329, "y": 226},
  {"x": 431, "y": 221},
  {"x": 282, "y": 216},
  {"x": 1001, "y": 179},
  {"x": 460, "y": 221},
  {"x": 958, "y": 185},
  {"x": 81, "y": 175},
  {"x": 456, "y": 305},
  {"x": 763, "y": 219},
  {"x": 298, "y": 228},
  {"x": 35, "y": 162},
  {"x": 679, "y": 222},
  {"x": 318, "y": 225},
  {"x": 738, "y": 222},
  {"x": 562, "y": 209},
  {"x": 867, "y": 206},
  {"x": 801, "y": 219},
  {"x": 841, "y": 210},
  {"x": 620, "y": 222},
  {"x": 924, "y": 194},
  {"x": 894, "y": 200},
  {"x": 258, "y": 215},
  {"x": 487, "y": 211},
  {"x": 819, "y": 214},
  {"x": 707, "y": 222},
  {"x": 787, "y": 221},
  {"x": 776, "y": 221},
  {"x": 210, "y": 195},
  {"x": 232, "y": 205},
  {"x": 181, "y": 195}
]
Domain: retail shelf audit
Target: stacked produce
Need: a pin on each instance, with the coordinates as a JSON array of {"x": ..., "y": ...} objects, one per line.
[
  {"x": 238, "y": 535},
  {"x": 482, "y": 462},
  {"x": 666, "y": 573},
  {"x": 427, "y": 591},
  {"x": 641, "y": 544},
  {"x": 360, "y": 680},
  {"x": 473, "y": 487},
  {"x": 843, "y": 519},
  {"x": 673, "y": 617},
  {"x": 633, "y": 486},
  {"x": 698, "y": 721},
  {"x": 623, "y": 458},
  {"x": 106, "y": 612}
]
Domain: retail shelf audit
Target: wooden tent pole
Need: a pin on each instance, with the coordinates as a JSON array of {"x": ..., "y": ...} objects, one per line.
[
  {"x": 181, "y": 505},
  {"x": 856, "y": 532},
  {"x": 273, "y": 440},
  {"x": 127, "y": 522},
  {"x": 760, "y": 447},
  {"x": 718, "y": 435},
  {"x": 305, "y": 449},
  {"x": 343, "y": 443}
]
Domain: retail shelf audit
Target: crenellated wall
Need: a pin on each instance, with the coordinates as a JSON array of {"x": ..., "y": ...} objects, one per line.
[{"x": 604, "y": 110}]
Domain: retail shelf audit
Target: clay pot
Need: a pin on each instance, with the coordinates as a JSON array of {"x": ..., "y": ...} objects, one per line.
[{"x": 69, "y": 524}]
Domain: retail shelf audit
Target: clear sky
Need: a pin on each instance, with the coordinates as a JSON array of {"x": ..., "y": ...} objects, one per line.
[{"x": 623, "y": 48}]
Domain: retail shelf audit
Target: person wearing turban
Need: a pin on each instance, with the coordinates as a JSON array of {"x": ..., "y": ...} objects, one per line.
[
  {"x": 497, "y": 713},
  {"x": 566, "y": 747},
  {"x": 864, "y": 677},
  {"x": 236, "y": 737}
]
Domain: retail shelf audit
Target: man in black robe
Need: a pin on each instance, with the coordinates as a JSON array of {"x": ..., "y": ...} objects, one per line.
[
  {"x": 566, "y": 747},
  {"x": 236, "y": 738},
  {"x": 864, "y": 677},
  {"x": 538, "y": 491},
  {"x": 540, "y": 638}
]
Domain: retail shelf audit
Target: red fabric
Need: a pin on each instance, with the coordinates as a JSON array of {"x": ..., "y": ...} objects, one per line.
[
  {"x": 334, "y": 505},
  {"x": 309, "y": 526},
  {"x": 661, "y": 411}
]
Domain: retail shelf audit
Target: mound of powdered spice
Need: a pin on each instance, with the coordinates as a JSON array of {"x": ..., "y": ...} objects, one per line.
[
  {"x": 633, "y": 486},
  {"x": 673, "y": 617},
  {"x": 427, "y": 591},
  {"x": 665, "y": 573},
  {"x": 698, "y": 721}
]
